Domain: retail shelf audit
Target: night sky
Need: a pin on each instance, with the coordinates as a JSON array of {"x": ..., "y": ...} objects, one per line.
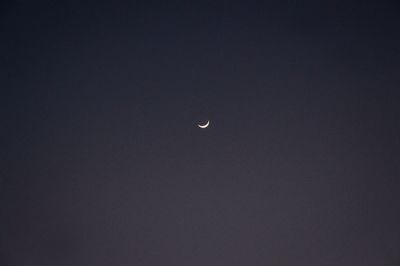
[{"x": 103, "y": 163}]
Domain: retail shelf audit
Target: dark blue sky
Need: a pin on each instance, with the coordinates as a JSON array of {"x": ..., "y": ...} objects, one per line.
[{"x": 104, "y": 164}]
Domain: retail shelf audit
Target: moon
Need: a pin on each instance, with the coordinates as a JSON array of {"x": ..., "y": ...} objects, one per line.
[{"x": 205, "y": 125}]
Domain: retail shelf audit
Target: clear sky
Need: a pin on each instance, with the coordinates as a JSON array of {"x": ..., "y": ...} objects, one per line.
[{"x": 103, "y": 162}]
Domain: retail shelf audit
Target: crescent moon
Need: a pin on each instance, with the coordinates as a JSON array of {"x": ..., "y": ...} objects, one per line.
[{"x": 206, "y": 125}]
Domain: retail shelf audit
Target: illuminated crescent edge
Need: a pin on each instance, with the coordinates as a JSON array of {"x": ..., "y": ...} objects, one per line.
[{"x": 206, "y": 125}]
